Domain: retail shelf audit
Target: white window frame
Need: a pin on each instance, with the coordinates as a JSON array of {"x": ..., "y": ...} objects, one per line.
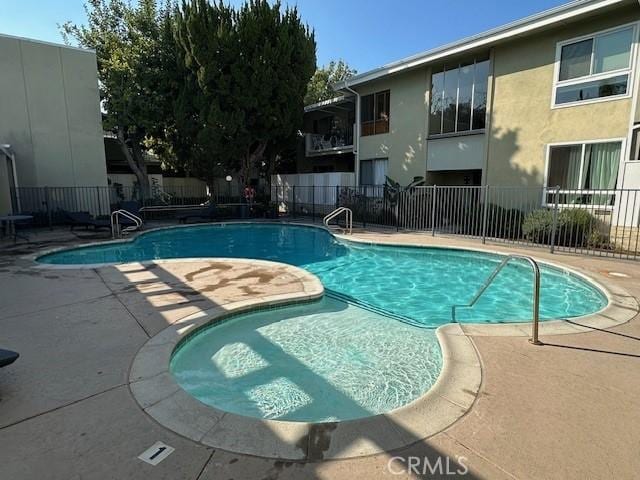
[
  {"x": 629, "y": 70},
  {"x": 631, "y": 157},
  {"x": 550, "y": 189}
]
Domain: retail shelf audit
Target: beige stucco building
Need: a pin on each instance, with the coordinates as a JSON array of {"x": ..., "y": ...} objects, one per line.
[
  {"x": 547, "y": 100},
  {"x": 50, "y": 126}
]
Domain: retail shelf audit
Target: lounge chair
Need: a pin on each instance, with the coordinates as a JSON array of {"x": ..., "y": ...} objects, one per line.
[
  {"x": 205, "y": 213},
  {"x": 131, "y": 206},
  {"x": 84, "y": 219},
  {"x": 7, "y": 357}
]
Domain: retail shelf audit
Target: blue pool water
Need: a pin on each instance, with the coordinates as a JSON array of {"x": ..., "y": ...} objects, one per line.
[
  {"x": 323, "y": 361},
  {"x": 419, "y": 284}
]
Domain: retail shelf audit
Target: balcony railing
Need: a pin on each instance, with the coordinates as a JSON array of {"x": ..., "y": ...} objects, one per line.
[{"x": 323, "y": 144}]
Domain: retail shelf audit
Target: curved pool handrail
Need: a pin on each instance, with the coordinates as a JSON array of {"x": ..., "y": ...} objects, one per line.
[
  {"x": 348, "y": 217},
  {"x": 536, "y": 292},
  {"x": 115, "y": 223}
]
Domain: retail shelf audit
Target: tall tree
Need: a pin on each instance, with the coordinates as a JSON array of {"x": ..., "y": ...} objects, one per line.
[
  {"x": 319, "y": 87},
  {"x": 128, "y": 40},
  {"x": 251, "y": 67}
]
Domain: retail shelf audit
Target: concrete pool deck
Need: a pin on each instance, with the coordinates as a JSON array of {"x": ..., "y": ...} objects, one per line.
[{"x": 568, "y": 409}]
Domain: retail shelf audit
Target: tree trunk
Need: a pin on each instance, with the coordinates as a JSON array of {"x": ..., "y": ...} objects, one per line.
[
  {"x": 135, "y": 159},
  {"x": 250, "y": 159}
]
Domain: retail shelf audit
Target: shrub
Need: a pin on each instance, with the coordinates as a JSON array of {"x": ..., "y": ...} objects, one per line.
[
  {"x": 504, "y": 222},
  {"x": 537, "y": 226},
  {"x": 575, "y": 227},
  {"x": 599, "y": 240}
]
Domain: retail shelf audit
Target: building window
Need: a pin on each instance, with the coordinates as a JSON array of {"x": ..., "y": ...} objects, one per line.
[
  {"x": 374, "y": 113},
  {"x": 594, "y": 67},
  {"x": 634, "y": 151},
  {"x": 373, "y": 172},
  {"x": 584, "y": 172},
  {"x": 459, "y": 98}
]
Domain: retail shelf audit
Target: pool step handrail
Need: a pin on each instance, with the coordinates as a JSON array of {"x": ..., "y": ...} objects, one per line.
[
  {"x": 536, "y": 292},
  {"x": 338, "y": 211},
  {"x": 116, "y": 231}
]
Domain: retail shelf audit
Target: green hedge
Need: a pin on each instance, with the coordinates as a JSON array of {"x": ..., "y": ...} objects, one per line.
[{"x": 575, "y": 227}]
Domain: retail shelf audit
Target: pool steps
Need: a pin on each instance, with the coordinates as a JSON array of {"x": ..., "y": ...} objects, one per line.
[{"x": 372, "y": 308}]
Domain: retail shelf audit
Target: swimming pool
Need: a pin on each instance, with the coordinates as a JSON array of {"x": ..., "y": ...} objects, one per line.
[
  {"x": 416, "y": 284},
  {"x": 315, "y": 362}
]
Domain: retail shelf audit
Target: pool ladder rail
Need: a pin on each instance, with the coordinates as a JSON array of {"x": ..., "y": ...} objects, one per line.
[
  {"x": 339, "y": 211},
  {"x": 116, "y": 230},
  {"x": 536, "y": 292}
]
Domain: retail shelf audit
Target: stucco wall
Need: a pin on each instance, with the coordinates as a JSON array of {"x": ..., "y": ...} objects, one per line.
[
  {"x": 5, "y": 195},
  {"x": 51, "y": 114},
  {"x": 465, "y": 152},
  {"x": 522, "y": 120},
  {"x": 404, "y": 145}
]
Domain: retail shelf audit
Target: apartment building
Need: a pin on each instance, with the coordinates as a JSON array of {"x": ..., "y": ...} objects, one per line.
[
  {"x": 549, "y": 100},
  {"x": 50, "y": 127}
]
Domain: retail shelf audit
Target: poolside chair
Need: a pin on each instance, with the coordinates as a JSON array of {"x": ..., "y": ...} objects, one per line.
[
  {"x": 206, "y": 213},
  {"x": 84, "y": 219},
  {"x": 132, "y": 206},
  {"x": 7, "y": 357}
]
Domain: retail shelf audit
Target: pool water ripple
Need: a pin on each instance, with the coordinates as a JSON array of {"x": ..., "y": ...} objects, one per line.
[{"x": 418, "y": 283}]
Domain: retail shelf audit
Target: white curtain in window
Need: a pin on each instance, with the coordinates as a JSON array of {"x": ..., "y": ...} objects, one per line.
[
  {"x": 573, "y": 167},
  {"x": 600, "y": 170},
  {"x": 380, "y": 172},
  {"x": 373, "y": 172},
  {"x": 564, "y": 167},
  {"x": 366, "y": 172}
]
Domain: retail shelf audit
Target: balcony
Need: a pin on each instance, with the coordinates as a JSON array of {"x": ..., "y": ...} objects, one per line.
[{"x": 317, "y": 144}]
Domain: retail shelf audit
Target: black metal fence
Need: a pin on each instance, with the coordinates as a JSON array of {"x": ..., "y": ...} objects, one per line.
[
  {"x": 49, "y": 204},
  {"x": 597, "y": 222}
]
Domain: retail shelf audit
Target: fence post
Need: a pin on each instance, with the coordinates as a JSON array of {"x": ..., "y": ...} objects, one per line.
[
  {"x": 366, "y": 206},
  {"x": 47, "y": 201},
  {"x": 98, "y": 206},
  {"x": 397, "y": 213},
  {"x": 313, "y": 202},
  {"x": 337, "y": 196},
  {"x": 294, "y": 200},
  {"x": 554, "y": 225},
  {"x": 433, "y": 211},
  {"x": 485, "y": 211}
]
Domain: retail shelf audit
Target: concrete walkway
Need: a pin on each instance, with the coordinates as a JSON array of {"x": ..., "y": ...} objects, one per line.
[{"x": 568, "y": 409}]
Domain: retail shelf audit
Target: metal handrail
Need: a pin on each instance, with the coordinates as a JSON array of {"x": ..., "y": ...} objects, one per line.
[
  {"x": 115, "y": 224},
  {"x": 335, "y": 213},
  {"x": 536, "y": 292}
]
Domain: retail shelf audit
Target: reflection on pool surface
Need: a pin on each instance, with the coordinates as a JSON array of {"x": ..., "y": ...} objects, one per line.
[
  {"x": 417, "y": 283},
  {"x": 323, "y": 361}
]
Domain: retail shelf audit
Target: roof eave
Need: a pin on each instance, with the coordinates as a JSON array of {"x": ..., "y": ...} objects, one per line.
[
  {"x": 327, "y": 103},
  {"x": 514, "y": 29}
]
